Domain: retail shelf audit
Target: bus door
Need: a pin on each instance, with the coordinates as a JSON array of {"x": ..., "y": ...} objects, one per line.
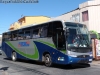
[{"x": 58, "y": 36}]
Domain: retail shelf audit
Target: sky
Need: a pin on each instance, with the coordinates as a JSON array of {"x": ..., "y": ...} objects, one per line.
[{"x": 11, "y": 12}]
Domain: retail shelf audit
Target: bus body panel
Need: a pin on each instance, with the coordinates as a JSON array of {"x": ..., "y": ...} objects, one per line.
[
  {"x": 8, "y": 51},
  {"x": 41, "y": 47}
]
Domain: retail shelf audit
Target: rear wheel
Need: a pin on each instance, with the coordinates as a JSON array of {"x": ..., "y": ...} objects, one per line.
[
  {"x": 47, "y": 60},
  {"x": 14, "y": 57}
]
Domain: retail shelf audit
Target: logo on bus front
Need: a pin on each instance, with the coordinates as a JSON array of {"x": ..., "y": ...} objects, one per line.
[{"x": 24, "y": 44}]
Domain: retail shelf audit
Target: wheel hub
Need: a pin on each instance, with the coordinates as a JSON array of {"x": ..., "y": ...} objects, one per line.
[{"x": 47, "y": 59}]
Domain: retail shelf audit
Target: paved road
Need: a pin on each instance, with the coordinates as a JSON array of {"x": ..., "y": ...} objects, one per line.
[{"x": 8, "y": 67}]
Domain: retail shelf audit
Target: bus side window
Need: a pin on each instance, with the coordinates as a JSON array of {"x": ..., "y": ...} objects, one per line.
[
  {"x": 21, "y": 35},
  {"x": 27, "y": 34},
  {"x": 5, "y": 37},
  {"x": 9, "y": 36},
  {"x": 44, "y": 31},
  {"x": 14, "y": 35},
  {"x": 50, "y": 30},
  {"x": 36, "y": 33}
]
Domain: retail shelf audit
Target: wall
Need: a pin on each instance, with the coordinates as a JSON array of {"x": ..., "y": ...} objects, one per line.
[
  {"x": 28, "y": 20},
  {"x": 93, "y": 8},
  {"x": 67, "y": 16},
  {"x": 35, "y": 20},
  {"x": 84, "y": 7},
  {"x": 94, "y": 15}
]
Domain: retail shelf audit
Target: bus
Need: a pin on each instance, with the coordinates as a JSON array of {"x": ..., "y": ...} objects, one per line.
[{"x": 51, "y": 42}]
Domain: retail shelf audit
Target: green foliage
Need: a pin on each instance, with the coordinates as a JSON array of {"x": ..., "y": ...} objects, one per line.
[{"x": 94, "y": 32}]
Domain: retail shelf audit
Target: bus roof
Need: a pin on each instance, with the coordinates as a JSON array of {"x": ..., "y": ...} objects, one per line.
[
  {"x": 32, "y": 25},
  {"x": 42, "y": 23}
]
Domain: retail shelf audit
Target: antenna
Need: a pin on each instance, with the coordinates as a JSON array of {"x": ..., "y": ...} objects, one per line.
[{"x": 21, "y": 15}]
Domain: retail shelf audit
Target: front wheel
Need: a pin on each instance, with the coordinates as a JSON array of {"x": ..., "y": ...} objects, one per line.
[
  {"x": 47, "y": 60},
  {"x": 14, "y": 57}
]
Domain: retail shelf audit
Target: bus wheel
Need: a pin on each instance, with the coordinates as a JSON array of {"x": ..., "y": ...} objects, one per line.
[
  {"x": 47, "y": 60},
  {"x": 14, "y": 57}
]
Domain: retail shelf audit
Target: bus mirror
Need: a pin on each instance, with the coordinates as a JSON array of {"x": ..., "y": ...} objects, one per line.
[{"x": 67, "y": 31}]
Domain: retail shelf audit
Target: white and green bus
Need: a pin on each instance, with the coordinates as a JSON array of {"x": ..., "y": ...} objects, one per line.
[{"x": 51, "y": 42}]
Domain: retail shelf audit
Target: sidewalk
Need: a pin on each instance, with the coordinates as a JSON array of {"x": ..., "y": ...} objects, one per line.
[{"x": 94, "y": 62}]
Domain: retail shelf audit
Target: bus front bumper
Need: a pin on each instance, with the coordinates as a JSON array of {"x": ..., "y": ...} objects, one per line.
[{"x": 73, "y": 60}]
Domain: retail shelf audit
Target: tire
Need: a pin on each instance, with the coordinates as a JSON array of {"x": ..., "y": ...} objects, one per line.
[
  {"x": 47, "y": 60},
  {"x": 14, "y": 56}
]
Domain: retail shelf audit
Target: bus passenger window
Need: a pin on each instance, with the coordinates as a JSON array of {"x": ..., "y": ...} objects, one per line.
[
  {"x": 6, "y": 37},
  {"x": 9, "y": 37},
  {"x": 36, "y": 33},
  {"x": 21, "y": 36},
  {"x": 27, "y": 34},
  {"x": 14, "y": 35},
  {"x": 44, "y": 32}
]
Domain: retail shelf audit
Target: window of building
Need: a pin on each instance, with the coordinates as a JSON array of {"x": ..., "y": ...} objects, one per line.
[
  {"x": 76, "y": 17},
  {"x": 85, "y": 16}
]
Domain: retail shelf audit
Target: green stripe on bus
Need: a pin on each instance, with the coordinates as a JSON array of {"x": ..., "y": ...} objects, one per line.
[
  {"x": 33, "y": 56},
  {"x": 63, "y": 51},
  {"x": 51, "y": 45},
  {"x": 47, "y": 43}
]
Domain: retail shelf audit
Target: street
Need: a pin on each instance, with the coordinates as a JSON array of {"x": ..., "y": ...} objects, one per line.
[
  {"x": 8, "y": 67},
  {"x": 64, "y": 32}
]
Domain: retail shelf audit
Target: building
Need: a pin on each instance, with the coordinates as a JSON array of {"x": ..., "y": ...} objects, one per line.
[
  {"x": 87, "y": 13},
  {"x": 27, "y": 20}
]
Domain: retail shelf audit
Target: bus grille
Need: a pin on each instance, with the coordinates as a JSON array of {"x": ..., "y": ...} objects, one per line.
[
  {"x": 82, "y": 56},
  {"x": 83, "y": 61}
]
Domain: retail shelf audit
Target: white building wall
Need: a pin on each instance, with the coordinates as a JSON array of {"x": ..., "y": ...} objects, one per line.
[
  {"x": 83, "y": 7},
  {"x": 94, "y": 15},
  {"x": 67, "y": 16},
  {"x": 93, "y": 7}
]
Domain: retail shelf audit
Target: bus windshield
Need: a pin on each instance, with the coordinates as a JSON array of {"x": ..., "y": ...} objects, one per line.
[{"x": 78, "y": 35}]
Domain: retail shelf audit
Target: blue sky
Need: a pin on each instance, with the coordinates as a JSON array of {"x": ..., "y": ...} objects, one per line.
[{"x": 11, "y": 12}]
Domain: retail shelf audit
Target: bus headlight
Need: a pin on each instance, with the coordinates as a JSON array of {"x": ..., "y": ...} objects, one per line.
[
  {"x": 91, "y": 55},
  {"x": 61, "y": 58}
]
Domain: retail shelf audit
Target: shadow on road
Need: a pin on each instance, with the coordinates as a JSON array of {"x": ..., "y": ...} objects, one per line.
[
  {"x": 68, "y": 67},
  {"x": 71, "y": 66},
  {"x": 4, "y": 68}
]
